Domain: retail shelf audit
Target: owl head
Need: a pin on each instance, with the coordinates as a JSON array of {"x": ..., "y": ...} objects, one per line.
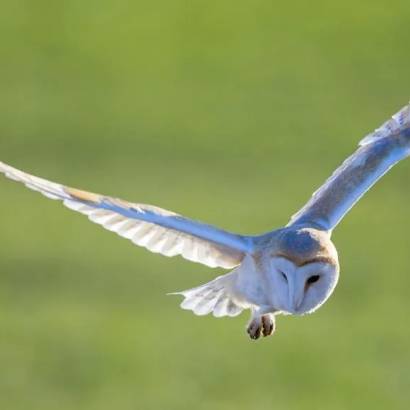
[{"x": 304, "y": 268}]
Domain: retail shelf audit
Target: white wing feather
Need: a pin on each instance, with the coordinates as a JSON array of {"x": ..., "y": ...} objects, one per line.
[
  {"x": 377, "y": 153},
  {"x": 396, "y": 124},
  {"x": 153, "y": 228}
]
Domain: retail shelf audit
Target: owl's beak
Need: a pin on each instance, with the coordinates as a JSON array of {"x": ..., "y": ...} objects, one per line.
[
  {"x": 296, "y": 296},
  {"x": 297, "y": 301}
]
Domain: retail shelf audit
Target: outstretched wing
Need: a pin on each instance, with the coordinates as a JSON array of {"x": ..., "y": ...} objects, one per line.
[
  {"x": 377, "y": 153},
  {"x": 154, "y": 228}
]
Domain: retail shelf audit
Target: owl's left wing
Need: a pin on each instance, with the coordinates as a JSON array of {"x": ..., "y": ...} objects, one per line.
[
  {"x": 154, "y": 228},
  {"x": 377, "y": 153}
]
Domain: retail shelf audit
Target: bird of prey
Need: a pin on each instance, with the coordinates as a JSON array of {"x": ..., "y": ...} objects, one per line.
[{"x": 291, "y": 270}]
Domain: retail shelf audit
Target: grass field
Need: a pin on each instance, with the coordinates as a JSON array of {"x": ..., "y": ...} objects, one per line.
[{"x": 230, "y": 112}]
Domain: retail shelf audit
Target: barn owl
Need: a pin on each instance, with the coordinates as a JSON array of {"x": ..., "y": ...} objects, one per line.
[{"x": 291, "y": 270}]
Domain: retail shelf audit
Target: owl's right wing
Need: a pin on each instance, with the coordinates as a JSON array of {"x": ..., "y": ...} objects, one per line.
[
  {"x": 377, "y": 153},
  {"x": 154, "y": 228}
]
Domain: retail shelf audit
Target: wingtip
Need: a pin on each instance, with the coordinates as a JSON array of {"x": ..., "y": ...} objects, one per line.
[{"x": 396, "y": 124}]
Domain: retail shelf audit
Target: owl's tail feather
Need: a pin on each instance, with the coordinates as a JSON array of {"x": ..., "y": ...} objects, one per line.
[{"x": 214, "y": 296}]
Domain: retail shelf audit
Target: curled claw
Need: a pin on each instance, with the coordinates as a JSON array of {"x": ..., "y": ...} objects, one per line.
[
  {"x": 254, "y": 328},
  {"x": 268, "y": 325},
  {"x": 261, "y": 326}
]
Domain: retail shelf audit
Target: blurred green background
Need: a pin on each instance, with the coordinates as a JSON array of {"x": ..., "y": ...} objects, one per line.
[{"x": 231, "y": 112}]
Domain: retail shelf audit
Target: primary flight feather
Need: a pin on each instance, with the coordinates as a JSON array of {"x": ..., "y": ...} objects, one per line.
[{"x": 291, "y": 270}]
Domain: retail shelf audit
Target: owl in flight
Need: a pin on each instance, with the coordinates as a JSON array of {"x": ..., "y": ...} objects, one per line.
[{"x": 291, "y": 270}]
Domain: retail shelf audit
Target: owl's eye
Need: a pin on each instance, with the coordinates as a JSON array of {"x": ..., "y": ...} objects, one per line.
[
  {"x": 312, "y": 279},
  {"x": 284, "y": 276}
]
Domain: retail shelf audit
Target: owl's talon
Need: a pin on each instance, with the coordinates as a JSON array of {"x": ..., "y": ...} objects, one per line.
[
  {"x": 254, "y": 329},
  {"x": 268, "y": 325},
  {"x": 261, "y": 326}
]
